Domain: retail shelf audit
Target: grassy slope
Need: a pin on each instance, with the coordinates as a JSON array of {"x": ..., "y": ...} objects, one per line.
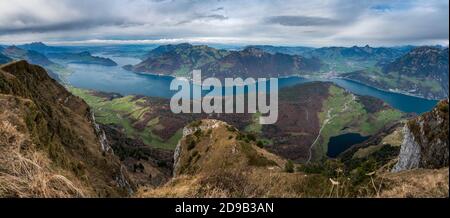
[
  {"x": 124, "y": 112},
  {"x": 354, "y": 116}
]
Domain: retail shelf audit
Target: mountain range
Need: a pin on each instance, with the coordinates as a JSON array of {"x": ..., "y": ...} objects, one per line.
[
  {"x": 180, "y": 60},
  {"x": 42, "y": 48},
  {"x": 81, "y": 58},
  {"x": 422, "y": 72},
  {"x": 16, "y": 53},
  {"x": 419, "y": 71},
  {"x": 254, "y": 62},
  {"x": 53, "y": 144}
]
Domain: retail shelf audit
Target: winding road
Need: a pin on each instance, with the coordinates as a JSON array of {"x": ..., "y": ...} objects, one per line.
[{"x": 325, "y": 122}]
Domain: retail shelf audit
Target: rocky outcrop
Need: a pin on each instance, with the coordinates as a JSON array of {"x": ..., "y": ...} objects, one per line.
[
  {"x": 101, "y": 135},
  {"x": 201, "y": 125},
  {"x": 425, "y": 143},
  {"x": 409, "y": 156}
]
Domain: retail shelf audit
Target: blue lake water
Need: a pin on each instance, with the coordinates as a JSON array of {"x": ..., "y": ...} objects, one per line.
[
  {"x": 340, "y": 143},
  {"x": 115, "y": 79}
]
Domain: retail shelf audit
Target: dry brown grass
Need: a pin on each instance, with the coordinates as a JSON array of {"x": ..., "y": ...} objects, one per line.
[
  {"x": 26, "y": 172},
  {"x": 418, "y": 183},
  {"x": 237, "y": 184}
]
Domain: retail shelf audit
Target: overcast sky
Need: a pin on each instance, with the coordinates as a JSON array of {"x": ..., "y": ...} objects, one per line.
[{"x": 278, "y": 22}]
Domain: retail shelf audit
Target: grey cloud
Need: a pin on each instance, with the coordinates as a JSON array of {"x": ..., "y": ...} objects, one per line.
[
  {"x": 330, "y": 22},
  {"x": 203, "y": 17},
  {"x": 83, "y": 24},
  {"x": 301, "y": 21},
  {"x": 218, "y": 9},
  {"x": 214, "y": 16}
]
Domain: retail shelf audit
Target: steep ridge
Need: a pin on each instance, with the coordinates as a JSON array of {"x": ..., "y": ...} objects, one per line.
[
  {"x": 39, "y": 117},
  {"x": 213, "y": 159},
  {"x": 425, "y": 143}
]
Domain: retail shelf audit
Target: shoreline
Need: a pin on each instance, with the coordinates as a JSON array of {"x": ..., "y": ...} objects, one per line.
[
  {"x": 312, "y": 78},
  {"x": 391, "y": 91}
]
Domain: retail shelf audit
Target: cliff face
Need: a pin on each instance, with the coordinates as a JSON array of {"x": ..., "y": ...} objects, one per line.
[
  {"x": 39, "y": 116},
  {"x": 410, "y": 150},
  {"x": 425, "y": 143}
]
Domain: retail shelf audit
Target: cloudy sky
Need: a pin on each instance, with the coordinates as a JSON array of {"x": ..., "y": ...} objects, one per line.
[{"x": 278, "y": 22}]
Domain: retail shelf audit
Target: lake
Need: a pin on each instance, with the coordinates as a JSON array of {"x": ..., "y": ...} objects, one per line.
[
  {"x": 115, "y": 79},
  {"x": 340, "y": 143}
]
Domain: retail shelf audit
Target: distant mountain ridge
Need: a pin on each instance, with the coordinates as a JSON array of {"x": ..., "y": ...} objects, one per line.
[
  {"x": 423, "y": 71},
  {"x": 256, "y": 63},
  {"x": 355, "y": 52},
  {"x": 181, "y": 59},
  {"x": 425, "y": 61},
  {"x": 82, "y": 58},
  {"x": 178, "y": 59},
  {"x": 414, "y": 70},
  {"x": 34, "y": 57},
  {"x": 41, "y": 48},
  {"x": 290, "y": 50},
  {"x": 29, "y": 55}
]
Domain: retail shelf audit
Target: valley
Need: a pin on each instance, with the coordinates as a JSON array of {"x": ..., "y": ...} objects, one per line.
[
  {"x": 150, "y": 120},
  {"x": 328, "y": 128}
]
